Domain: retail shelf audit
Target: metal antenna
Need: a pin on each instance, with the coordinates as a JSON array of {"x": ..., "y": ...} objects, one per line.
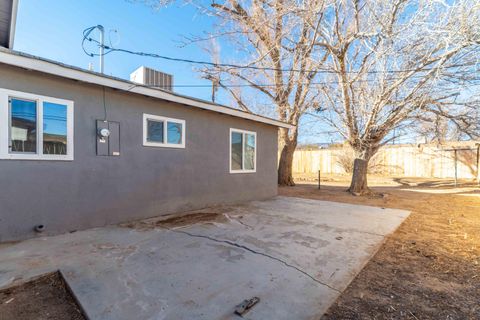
[{"x": 102, "y": 46}]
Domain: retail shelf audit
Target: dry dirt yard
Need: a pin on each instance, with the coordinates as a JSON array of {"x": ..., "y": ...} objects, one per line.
[
  {"x": 43, "y": 298},
  {"x": 430, "y": 267}
]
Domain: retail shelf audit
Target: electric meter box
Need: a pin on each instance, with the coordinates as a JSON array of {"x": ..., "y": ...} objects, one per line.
[{"x": 108, "y": 141}]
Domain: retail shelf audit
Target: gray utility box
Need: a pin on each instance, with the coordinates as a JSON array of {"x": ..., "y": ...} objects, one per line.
[{"x": 108, "y": 146}]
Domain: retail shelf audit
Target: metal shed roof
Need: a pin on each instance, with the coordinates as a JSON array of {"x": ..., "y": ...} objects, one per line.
[
  {"x": 8, "y": 15},
  {"x": 30, "y": 62}
]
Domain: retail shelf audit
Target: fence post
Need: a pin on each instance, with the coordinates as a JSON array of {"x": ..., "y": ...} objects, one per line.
[
  {"x": 478, "y": 163},
  {"x": 318, "y": 179},
  {"x": 456, "y": 170}
]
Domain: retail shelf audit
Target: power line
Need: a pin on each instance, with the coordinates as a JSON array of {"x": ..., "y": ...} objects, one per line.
[
  {"x": 86, "y": 34},
  {"x": 110, "y": 49},
  {"x": 263, "y": 85}
]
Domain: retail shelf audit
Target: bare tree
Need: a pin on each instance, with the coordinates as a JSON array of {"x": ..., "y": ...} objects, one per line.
[
  {"x": 277, "y": 58},
  {"x": 436, "y": 130},
  {"x": 395, "y": 64}
]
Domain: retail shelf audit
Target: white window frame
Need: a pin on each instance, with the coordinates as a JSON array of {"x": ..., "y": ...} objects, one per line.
[
  {"x": 243, "y": 132},
  {"x": 5, "y": 153},
  {"x": 165, "y": 143}
]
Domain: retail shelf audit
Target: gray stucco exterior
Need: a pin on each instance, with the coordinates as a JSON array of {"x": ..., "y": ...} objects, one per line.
[{"x": 143, "y": 181}]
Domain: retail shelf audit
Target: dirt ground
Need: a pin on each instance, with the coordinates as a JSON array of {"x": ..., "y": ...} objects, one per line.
[
  {"x": 45, "y": 298},
  {"x": 209, "y": 215},
  {"x": 430, "y": 267}
]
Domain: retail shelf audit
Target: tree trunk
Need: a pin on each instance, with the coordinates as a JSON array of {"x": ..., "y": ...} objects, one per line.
[
  {"x": 288, "y": 145},
  {"x": 359, "y": 185},
  {"x": 285, "y": 174}
]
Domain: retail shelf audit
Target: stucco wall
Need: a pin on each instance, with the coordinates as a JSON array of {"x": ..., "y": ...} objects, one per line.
[{"x": 143, "y": 181}]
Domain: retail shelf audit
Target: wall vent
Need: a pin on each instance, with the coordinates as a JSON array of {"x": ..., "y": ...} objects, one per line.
[{"x": 152, "y": 78}]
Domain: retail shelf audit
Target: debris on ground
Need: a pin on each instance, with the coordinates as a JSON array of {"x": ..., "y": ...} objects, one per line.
[{"x": 246, "y": 305}]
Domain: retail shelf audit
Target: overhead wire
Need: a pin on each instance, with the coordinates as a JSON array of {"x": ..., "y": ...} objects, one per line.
[{"x": 110, "y": 49}]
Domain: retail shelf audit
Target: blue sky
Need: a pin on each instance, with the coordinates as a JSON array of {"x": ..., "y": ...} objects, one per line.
[{"x": 53, "y": 29}]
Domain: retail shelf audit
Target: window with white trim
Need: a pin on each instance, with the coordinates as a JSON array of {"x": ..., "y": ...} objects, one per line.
[
  {"x": 243, "y": 151},
  {"x": 34, "y": 127},
  {"x": 161, "y": 131}
]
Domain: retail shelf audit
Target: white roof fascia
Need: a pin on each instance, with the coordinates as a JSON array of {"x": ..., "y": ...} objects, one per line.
[
  {"x": 13, "y": 24},
  {"x": 37, "y": 64}
]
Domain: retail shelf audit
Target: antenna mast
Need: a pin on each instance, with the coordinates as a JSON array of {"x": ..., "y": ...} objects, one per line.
[{"x": 102, "y": 46}]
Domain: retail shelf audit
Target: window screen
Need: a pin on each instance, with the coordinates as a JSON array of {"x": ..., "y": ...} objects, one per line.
[
  {"x": 249, "y": 152},
  {"x": 155, "y": 131},
  {"x": 237, "y": 151},
  {"x": 174, "y": 132},
  {"x": 54, "y": 128},
  {"x": 23, "y": 126},
  {"x": 243, "y": 151}
]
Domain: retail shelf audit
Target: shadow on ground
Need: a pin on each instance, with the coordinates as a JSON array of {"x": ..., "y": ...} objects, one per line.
[
  {"x": 297, "y": 255},
  {"x": 429, "y": 268}
]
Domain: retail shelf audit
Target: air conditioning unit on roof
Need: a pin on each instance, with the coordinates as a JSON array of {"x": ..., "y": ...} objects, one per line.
[{"x": 152, "y": 78}]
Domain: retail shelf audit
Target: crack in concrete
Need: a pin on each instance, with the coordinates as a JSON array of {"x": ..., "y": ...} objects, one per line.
[
  {"x": 241, "y": 222},
  {"x": 234, "y": 244}
]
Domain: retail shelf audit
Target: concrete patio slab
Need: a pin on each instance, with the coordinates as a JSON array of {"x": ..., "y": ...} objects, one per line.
[{"x": 296, "y": 255}]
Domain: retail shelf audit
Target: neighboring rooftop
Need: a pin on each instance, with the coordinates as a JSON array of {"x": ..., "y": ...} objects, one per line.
[
  {"x": 8, "y": 14},
  {"x": 30, "y": 62}
]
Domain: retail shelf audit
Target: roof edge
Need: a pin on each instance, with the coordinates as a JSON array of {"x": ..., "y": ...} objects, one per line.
[
  {"x": 26, "y": 61},
  {"x": 13, "y": 24}
]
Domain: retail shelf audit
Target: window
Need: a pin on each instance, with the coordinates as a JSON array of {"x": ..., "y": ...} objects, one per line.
[
  {"x": 243, "y": 151},
  {"x": 163, "y": 132},
  {"x": 35, "y": 127},
  {"x": 54, "y": 128}
]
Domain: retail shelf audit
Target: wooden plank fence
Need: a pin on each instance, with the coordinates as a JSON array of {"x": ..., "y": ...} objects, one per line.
[{"x": 422, "y": 160}]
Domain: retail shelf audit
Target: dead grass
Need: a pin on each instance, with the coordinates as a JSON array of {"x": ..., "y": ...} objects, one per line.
[{"x": 430, "y": 267}]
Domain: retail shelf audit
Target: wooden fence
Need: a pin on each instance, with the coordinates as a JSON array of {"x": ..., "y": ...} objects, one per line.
[{"x": 422, "y": 160}]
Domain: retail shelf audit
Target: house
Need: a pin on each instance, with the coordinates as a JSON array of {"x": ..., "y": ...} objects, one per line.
[{"x": 79, "y": 149}]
